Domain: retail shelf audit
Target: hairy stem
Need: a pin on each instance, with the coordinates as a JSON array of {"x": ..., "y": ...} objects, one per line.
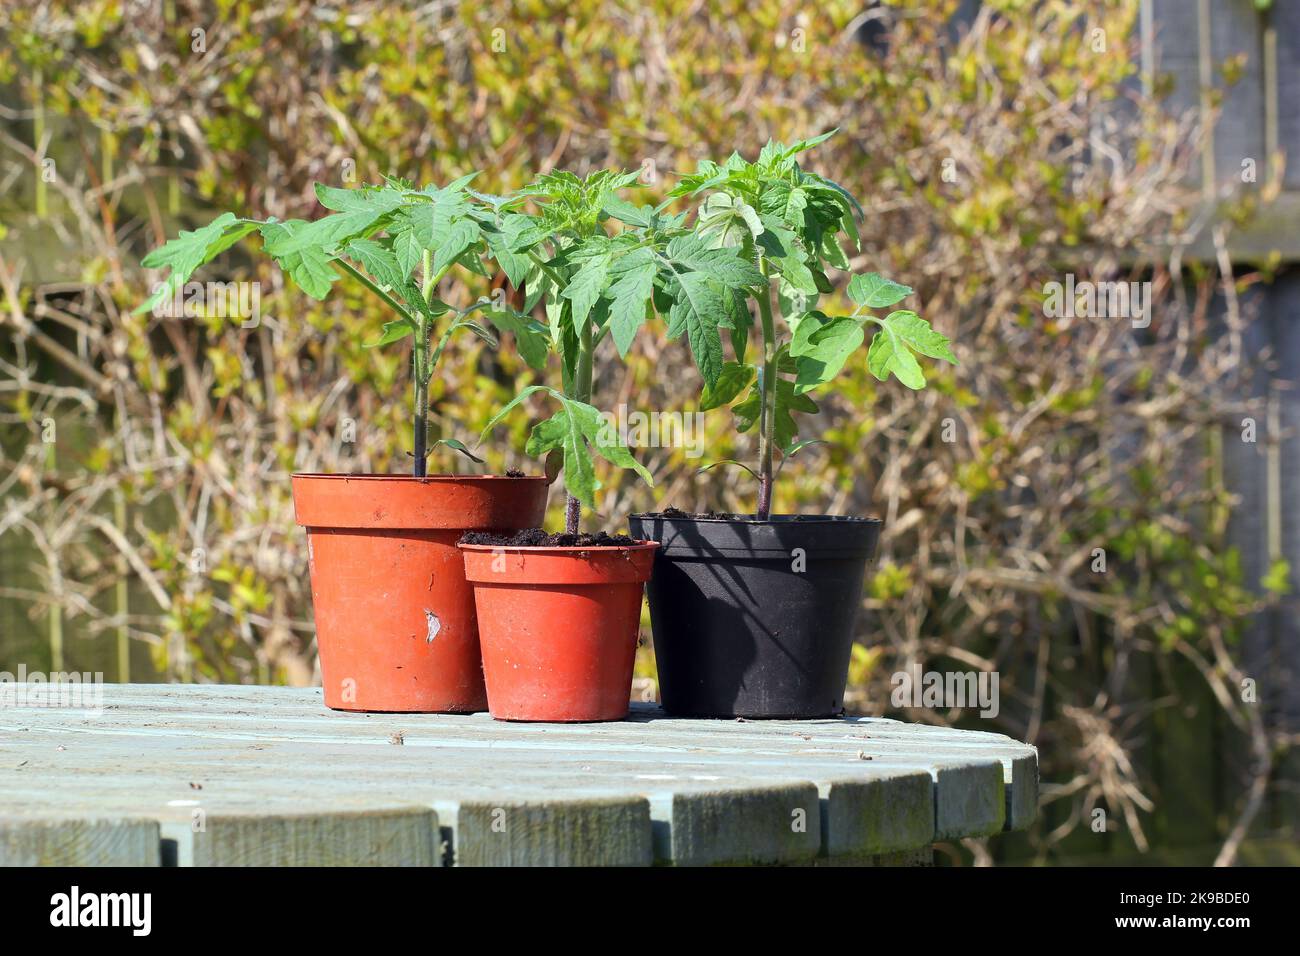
[
  {"x": 422, "y": 369},
  {"x": 421, "y": 401},
  {"x": 365, "y": 280},
  {"x": 582, "y": 393},
  {"x": 767, "y": 414}
]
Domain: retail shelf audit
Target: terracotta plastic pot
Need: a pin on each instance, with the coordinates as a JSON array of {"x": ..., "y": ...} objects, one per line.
[
  {"x": 558, "y": 628},
  {"x": 756, "y": 618},
  {"x": 395, "y": 625}
]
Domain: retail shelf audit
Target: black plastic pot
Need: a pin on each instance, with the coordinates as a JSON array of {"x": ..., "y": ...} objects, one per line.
[{"x": 755, "y": 618}]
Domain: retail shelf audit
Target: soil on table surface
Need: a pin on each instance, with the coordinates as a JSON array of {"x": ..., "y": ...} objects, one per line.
[{"x": 537, "y": 538}]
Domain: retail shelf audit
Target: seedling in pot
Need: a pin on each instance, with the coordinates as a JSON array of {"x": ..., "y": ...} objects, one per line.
[
  {"x": 592, "y": 285},
  {"x": 793, "y": 226},
  {"x": 754, "y": 617},
  {"x": 559, "y": 614},
  {"x": 400, "y": 243}
]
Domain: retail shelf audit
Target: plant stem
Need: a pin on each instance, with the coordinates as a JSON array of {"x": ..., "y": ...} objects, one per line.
[
  {"x": 550, "y": 273},
  {"x": 388, "y": 300},
  {"x": 426, "y": 362},
  {"x": 582, "y": 393},
  {"x": 419, "y": 361},
  {"x": 767, "y": 414}
]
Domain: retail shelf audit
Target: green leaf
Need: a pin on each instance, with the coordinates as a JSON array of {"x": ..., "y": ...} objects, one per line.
[
  {"x": 781, "y": 246},
  {"x": 890, "y": 351},
  {"x": 324, "y": 235},
  {"x": 731, "y": 382},
  {"x": 462, "y": 234},
  {"x": 460, "y": 446},
  {"x": 833, "y": 252},
  {"x": 482, "y": 331},
  {"x": 430, "y": 223},
  {"x": 729, "y": 461},
  {"x": 509, "y": 407},
  {"x": 728, "y": 221},
  {"x": 532, "y": 340},
  {"x": 823, "y": 353},
  {"x": 190, "y": 250},
  {"x": 804, "y": 326},
  {"x": 624, "y": 211},
  {"x": 891, "y": 348},
  {"x": 798, "y": 446},
  {"x": 888, "y": 354},
  {"x": 394, "y": 331},
  {"x": 536, "y": 285},
  {"x": 574, "y": 428},
  {"x": 367, "y": 198},
  {"x": 379, "y": 262},
  {"x": 633, "y": 284},
  {"x": 696, "y": 310},
  {"x": 739, "y": 321},
  {"x": 558, "y": 432},
  {"x": 407, "y": 252},
  {"x": 604, "y": 437},
  {"x": 586, "y": 285},
  {"x": 795, "y": 204},
  {"x": 508, "y": 242},
  {"x": 917, "y": 333},
  {"x": 722, "y": 265},
  {"x": 806, "y": 144},
  {"x": 305, "y": 261},
  {"x": 874, "y": 291},
  {"x": 1278, "y": 578}
]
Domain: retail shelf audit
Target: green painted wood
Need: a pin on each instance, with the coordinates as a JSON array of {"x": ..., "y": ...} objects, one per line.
[
  {"x": 239, "y": 713},
  {"x": 607, "y": 831},
  {"x": 384, "y": 837},
  {"x": 881, "y": 816},
  {"x": 645, "y": 790},
  {"x": 969, "y": 801},
  {"x": 777, "y": 824},
  {"x": 39, "y": 840}
]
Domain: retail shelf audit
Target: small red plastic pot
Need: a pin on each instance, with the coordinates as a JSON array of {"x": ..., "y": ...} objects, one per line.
[
  {"x": 395, "y": 625},
  {"x": 558, "y": 628}
]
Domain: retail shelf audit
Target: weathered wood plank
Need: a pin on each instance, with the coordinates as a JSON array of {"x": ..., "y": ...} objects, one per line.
[
  {"x": 554, "y": 832},
  {"x": 1022, "y": 793},
  {"x": 648, "y": 789},
  {"x": 392, "y": 837},
  {"x": 63, "y": 841},
  {"x": 778, "y": 824},
  {"x": 969, "y": 801},
  {"x": 877, "y": 816}
]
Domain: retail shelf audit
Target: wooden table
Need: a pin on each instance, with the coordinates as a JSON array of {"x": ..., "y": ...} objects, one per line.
[{"x": 196, "y": 775}]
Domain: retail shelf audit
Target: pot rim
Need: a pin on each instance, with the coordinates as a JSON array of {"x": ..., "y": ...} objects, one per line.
[
  {"x": 334, "y": 476},
  {"x": 585, "y": 551},
  {"x": 799, "y": 519}
]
